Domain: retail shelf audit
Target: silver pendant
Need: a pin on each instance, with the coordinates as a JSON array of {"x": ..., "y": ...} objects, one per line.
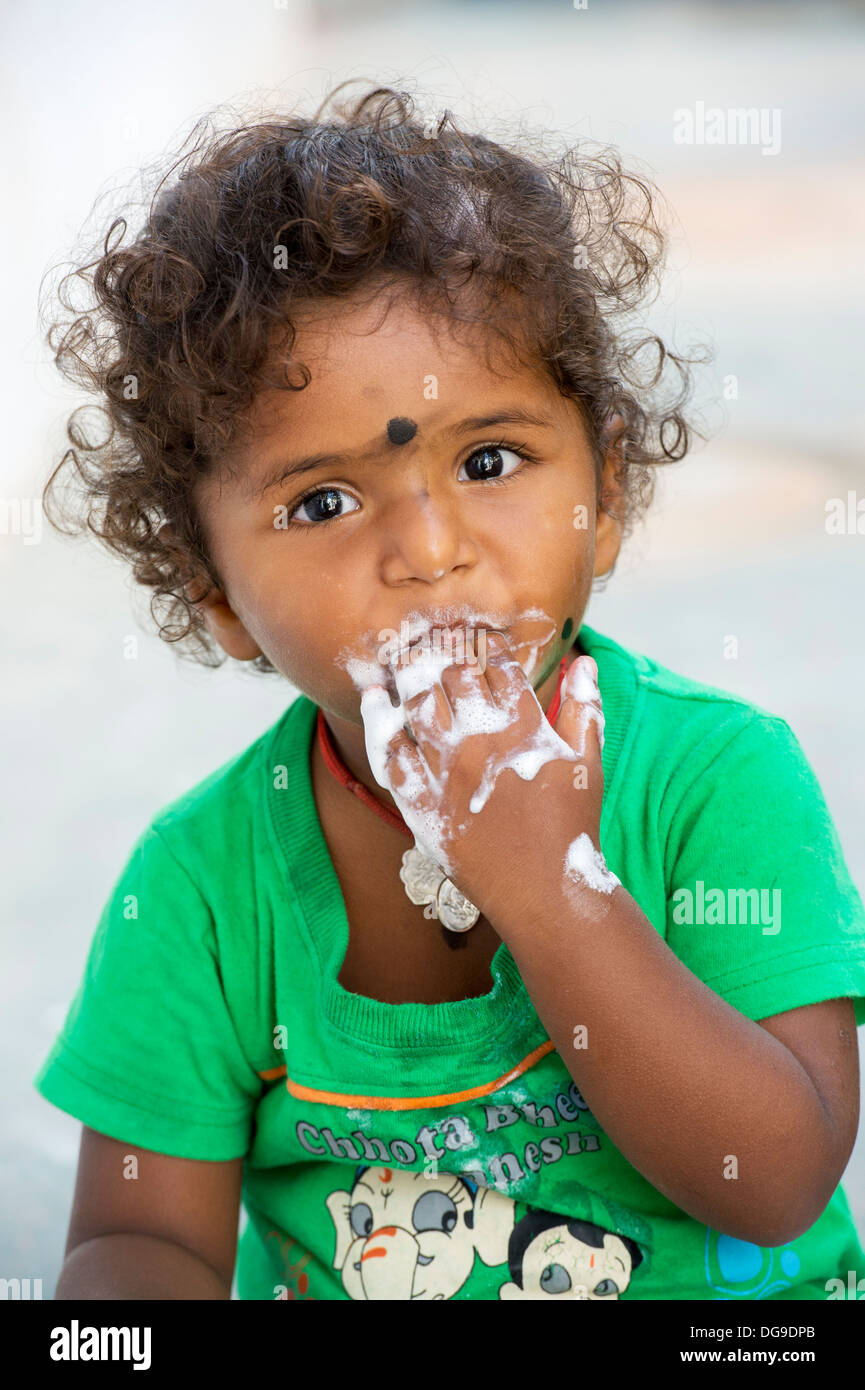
[{"x": 427, "y": 886}]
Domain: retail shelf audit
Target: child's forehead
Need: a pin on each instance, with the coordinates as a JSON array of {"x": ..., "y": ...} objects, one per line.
[
  {"x": 364, "y": 325},
  {"x": 396, "y": 359},
  {"x": 381, "y": 410}
]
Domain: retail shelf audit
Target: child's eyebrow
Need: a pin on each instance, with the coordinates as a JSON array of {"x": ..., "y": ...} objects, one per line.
[{"x": 376, "y": 452}]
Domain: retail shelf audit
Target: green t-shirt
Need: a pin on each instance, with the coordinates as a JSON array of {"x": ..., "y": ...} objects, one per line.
[{"x": 397, "y": 1151}]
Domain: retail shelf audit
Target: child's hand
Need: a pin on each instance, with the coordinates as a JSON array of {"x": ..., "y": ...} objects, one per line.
[{"x": 491, "y": 791}]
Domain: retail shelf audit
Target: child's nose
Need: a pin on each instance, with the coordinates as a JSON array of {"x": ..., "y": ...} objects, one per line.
[{"x": 426, "y": 537}]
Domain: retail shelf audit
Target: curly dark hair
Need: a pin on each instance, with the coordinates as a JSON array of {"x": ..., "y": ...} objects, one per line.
[{"x": 178, "y": 327}]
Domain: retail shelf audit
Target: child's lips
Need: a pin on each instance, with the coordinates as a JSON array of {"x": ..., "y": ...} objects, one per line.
[
  {"x": 468, "y": 650},
  {"x": 469, "y": 633}
]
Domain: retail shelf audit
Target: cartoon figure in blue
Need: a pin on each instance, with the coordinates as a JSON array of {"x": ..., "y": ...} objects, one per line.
[{"x": 736, "y": 1269}]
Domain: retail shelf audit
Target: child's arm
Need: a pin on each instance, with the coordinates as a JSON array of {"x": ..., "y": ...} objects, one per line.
[
  {"x": 169, "y": 1232},
  {"x": 716, "y": 1112},
  {"x": 680, "y": 1080}
]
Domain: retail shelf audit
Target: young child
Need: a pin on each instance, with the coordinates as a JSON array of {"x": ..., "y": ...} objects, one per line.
[{"x": 379, "y": 419}]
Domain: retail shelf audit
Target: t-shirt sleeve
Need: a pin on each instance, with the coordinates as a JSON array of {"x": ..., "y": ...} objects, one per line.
[
  {"x": 760, "y": 903},
  {"x": 149, "y": 1053}
]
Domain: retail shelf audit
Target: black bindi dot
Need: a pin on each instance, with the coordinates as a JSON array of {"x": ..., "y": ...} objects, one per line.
[
  {"x": 567, "y": 630},
  {"x": 400, "y": 430}
]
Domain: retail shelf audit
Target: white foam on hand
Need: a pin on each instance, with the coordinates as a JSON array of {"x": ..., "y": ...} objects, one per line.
[{"x": 587, "y": 865}]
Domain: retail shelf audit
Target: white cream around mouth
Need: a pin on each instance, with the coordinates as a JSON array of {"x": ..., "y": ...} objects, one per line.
[{"x": 390, "y": 645}]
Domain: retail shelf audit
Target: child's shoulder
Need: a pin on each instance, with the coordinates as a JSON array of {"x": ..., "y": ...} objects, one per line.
[
  {"x": 674, "y": 711},
  {"x": 218, "y": 806},
  {"x": 659, "y": 679},
  {"x": 691, "y": 752}
]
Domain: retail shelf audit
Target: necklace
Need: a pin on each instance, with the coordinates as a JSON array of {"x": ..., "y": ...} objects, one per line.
[{"x": 426, "y": 885}]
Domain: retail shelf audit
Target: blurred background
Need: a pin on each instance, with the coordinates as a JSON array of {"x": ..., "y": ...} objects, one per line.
[{"x": 765, "y": 265}]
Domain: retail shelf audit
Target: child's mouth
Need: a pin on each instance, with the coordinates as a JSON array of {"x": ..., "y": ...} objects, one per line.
[
  {"x": 444, "y": 644},
  {"x": 462, "y": 643}
]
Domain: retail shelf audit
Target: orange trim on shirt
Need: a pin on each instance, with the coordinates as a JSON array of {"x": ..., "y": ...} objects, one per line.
[
  {"x": 273, "y": 1073},
  {"x": 405, "y": 1102}
]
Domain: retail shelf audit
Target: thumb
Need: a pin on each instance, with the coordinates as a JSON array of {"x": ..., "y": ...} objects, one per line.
[{"x": 581, "y": 708}]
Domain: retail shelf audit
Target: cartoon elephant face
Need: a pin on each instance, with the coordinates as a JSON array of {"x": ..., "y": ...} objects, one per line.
[
  {"x": 557, "y": 1264},
  {"x": 402, "y": 1235}
]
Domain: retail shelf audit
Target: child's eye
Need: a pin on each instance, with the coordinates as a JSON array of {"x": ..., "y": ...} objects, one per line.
[
  {"x": 325, "y": 510},
  {"x": 490, "y": 456}
]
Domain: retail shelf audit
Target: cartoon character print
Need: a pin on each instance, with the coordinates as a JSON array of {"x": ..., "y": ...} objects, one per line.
[
  {"x": 411, "y": 1235},
  {"x": 404, "y": 1235},
  {"x": 738, "y": 1269},
  {"x": 552, "y": 1257}
]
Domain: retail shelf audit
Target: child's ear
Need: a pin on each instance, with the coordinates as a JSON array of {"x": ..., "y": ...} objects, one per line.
[
  {"x": 608, "y": 528},
  {"x": 220, "y": 618}
]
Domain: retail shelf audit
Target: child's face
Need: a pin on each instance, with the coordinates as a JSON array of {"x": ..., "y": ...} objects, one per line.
[{"x": 414, "y": 528}]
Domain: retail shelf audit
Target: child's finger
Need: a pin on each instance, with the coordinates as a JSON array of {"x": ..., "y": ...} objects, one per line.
[
  {"x": 396, "y": 762},
  {"x": 580, "y": 720},
  {"x": 502, "y": 670}
]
